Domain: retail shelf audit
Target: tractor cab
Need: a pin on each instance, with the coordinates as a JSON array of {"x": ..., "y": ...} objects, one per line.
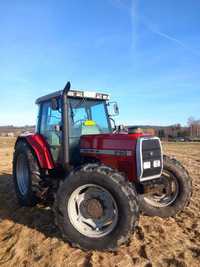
[{"x": 87, "y": 114}]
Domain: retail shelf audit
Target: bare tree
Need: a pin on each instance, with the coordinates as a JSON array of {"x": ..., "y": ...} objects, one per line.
[{"x": 193, "y": 121}]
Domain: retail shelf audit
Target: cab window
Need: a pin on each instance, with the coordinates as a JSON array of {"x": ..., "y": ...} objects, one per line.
[{"x": 49, "y": 120}]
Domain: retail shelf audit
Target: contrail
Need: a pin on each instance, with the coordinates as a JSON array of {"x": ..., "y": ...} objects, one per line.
[
  {"x": 134, "y": 22},
  {"x": 168, "y": 37},
  {"x": 162, "y": 34},
  {"x": 136, "y": 18},
  {"x": 119, "y": 4}
]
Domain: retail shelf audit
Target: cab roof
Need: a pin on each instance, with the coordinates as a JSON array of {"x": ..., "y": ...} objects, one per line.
[{"x": 74, "y": 94}]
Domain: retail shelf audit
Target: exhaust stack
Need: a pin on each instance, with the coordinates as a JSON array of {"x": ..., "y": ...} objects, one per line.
[{"x": 65, "y": 127}]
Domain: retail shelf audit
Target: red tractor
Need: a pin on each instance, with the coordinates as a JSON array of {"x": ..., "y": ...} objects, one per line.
[{"x": 97, "y": 179}]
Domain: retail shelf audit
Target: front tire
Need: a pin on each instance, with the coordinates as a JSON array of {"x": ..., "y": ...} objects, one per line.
[
  {"x": 179, "y": 188},
  {"x": 95, "y": 209}
]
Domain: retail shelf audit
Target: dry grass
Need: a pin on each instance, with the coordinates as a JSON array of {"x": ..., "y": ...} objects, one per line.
[{"x": 28, "y": 237}]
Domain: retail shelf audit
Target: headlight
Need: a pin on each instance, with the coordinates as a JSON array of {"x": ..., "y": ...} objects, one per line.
[
  {"x": 147, "y": 165},
  {"x": 156, "y": 163}
]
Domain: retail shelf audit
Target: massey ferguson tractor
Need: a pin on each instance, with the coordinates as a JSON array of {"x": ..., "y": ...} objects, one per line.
[{"x": 98, "y": 179}]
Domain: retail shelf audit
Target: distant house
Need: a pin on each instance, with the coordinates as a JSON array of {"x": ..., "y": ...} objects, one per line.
[
  {"x": 195, "y": 130},
  {"x": 10, "y": 135},
  {"x": 150, "y": 131},
  {"x": 15, "y": 131},
  {"x": 166, "y": 132},
  {"x": 144, "y": 129}
]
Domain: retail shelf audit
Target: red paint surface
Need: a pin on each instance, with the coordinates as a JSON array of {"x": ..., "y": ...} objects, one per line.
[
  {"x": 41, "y": 149},
  {"x": 124, "y": 142},
  {"x": 125, "y": 164}
]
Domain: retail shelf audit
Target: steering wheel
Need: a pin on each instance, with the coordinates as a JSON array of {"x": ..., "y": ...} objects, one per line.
[
  {"x": 79, "y": 121},
  {"x": 83, "y": 120}
]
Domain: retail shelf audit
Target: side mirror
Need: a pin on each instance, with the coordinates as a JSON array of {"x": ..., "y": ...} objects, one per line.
[
  {"x": 116, "y": 109},
  {"x": 113, "y": 109},
  {"x": 54, "y": 104}
]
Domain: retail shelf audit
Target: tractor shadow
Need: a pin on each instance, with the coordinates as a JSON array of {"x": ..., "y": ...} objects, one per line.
[{"x": 40, "y": 218}]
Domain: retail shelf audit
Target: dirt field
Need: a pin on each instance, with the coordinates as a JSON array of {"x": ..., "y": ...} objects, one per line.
[{"x": 28, "y": 237}]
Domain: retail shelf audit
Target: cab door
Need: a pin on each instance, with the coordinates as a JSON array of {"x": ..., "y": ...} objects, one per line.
[{"x": 50, "y": 121}]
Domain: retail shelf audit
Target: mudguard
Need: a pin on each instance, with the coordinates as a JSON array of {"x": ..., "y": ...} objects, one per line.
[{"x": 41, "y": 149}]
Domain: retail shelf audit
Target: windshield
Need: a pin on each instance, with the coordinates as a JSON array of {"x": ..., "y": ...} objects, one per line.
[{"x": 88, "y": 117}]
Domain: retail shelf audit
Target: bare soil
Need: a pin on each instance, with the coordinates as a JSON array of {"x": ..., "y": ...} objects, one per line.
[{"x": 28, "y": 237}]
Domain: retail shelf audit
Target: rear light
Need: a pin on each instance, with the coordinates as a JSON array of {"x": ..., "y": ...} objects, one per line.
[
  {"x": 99, "y": 96},
  {"x": 75, "y": 93},
  {"x": 89, "y": 94},
  {"x": 102, "y": 96},
  {"x": 106, "y": 97}
]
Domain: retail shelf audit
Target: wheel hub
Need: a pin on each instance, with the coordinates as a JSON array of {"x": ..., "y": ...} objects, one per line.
[
  {"x": 91, "y": 208},
  {"x": 169, "y": 193}
]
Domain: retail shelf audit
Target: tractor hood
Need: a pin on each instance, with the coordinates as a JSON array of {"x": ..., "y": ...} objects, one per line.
[
  {"x": 128, "y": 153},
  {"x": 112, "y": 144},
  {"x": 117, "y": 151}
]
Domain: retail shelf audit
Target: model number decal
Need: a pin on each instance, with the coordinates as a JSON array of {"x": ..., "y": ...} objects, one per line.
[{"x": 106, "y": 152}]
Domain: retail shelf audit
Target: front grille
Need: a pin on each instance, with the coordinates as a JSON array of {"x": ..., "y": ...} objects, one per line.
[{"x": 149, "y": 155}]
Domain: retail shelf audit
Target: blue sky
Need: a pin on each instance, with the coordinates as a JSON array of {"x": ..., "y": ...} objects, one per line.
[{"x": 146, "y": 54}]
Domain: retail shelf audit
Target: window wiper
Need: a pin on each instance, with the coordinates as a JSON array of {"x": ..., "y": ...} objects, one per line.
[{"x": 72, "y": 112}]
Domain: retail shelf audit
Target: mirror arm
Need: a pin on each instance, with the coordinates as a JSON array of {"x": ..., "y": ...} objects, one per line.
[{"x": 115, "y": 127}]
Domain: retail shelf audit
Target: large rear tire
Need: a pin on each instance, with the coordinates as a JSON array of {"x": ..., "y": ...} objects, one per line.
[
  {"x": 96, "y": 209},
  {"x": 26, "y": 175},
  {"x": 176, "y": 196}
]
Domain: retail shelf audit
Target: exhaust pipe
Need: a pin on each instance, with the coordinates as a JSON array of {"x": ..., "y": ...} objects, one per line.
[{"x": 65, "y": 127}]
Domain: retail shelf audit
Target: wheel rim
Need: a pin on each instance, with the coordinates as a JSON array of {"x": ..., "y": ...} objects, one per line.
[
  {"x": 169, "y": 196},
  {"x": 22, "y": 174},
  {"x": 92, "y": 211}
]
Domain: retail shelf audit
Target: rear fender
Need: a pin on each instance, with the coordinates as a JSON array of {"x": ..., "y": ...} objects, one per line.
[{"x": 41, "y": 149}]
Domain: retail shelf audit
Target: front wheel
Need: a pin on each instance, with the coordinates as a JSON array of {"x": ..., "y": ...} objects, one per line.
[
  {"x": 176, "y": 194},
  {"x": 96, "y": 209}
]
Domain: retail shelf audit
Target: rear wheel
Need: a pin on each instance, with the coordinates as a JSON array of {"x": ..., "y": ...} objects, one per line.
[
  {"x": 26, "y": 175},
  {"x": 95, "y": 209},
  {"x": 176, "y": 194}
]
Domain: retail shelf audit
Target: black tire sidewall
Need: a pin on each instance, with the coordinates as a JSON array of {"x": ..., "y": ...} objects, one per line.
[
  {"x": 28, "y": 199},
  {"x": 125, "y": 214}
]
